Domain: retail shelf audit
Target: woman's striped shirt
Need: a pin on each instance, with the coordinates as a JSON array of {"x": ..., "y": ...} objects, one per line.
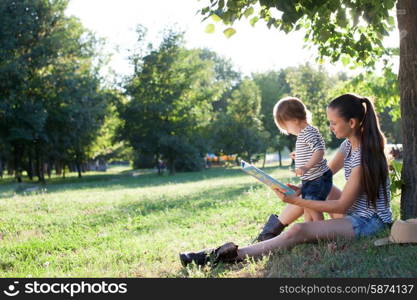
[
  {"x": 309, "y": 140},
  {"x": 360, "y": 207}
]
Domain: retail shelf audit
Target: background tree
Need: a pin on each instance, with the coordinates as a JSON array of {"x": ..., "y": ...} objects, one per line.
[
  {"x": 358, "y": 37},
  {"x": 171, "y": 95},
  {"x": 48, "y": 85},
  {"x": 106, "y": 147},
  {"x": 312, "y": 87},
  {"x": 226, "y": 77},
  {"x": 239, "y": 130},
  {"x": 383, "y": 90},
  {"x": 273, "y": 86}
]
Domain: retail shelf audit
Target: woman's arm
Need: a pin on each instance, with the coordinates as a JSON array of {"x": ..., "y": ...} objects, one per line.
[
  {"x": 350, "y": 193},
  {"x": 336, "y": 164}
]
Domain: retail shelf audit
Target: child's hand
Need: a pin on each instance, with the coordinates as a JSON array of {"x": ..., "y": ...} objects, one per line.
[
  {"x": 301, "y": 171},
  {"x": 292, "y": 155}
]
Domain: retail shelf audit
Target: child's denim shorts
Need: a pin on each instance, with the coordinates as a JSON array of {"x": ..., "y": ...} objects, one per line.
[
  {"x": 319, "y": 188},
  {"x": 366, "y": 226}
]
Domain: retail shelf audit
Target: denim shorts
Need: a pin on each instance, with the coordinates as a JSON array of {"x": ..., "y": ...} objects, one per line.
[
  {"x": 366, "y": 226},
  {"x": 319, "y": 188}
]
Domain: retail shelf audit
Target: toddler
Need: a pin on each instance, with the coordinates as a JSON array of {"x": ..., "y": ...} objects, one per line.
[{"x": 292, "y": 117}]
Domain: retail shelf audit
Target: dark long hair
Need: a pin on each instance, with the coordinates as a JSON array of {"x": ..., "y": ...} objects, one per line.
[{"x": 373, "y": 159}]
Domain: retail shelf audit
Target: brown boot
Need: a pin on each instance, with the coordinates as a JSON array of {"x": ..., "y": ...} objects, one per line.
[
  {"x": 226, "y": 253},
  {"x": 272, "y": 228}
]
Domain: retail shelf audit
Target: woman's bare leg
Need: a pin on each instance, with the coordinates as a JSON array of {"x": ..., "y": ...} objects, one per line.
[
  {"x": 290, "y": 214},
  {"x": 307, "y": 215},
  {"x": 301, "y": 233},
  {"x": 335, "y": 194},
  {"x": 314, "y": 215}
]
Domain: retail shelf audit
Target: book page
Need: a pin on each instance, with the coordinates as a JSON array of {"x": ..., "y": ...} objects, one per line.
[{"x": 265, "y": 178}]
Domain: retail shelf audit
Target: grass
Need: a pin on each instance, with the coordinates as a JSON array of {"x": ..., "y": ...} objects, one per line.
[{"x": 130, "y": 223}]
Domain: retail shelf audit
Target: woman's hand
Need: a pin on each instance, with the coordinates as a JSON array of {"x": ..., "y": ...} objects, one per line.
[
  {"x": 292, "y": 155},
  {"x": 295, "y": 188},
  {"x": 288, "y": 198}
]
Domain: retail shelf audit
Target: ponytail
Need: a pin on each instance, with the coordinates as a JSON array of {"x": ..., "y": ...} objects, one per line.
[{"x": 373, "y": 159}]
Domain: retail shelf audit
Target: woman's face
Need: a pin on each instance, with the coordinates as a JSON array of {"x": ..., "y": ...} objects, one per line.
[{"x": 338, "y": 125}]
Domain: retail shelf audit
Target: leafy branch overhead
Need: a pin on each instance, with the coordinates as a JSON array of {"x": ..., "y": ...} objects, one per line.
[{"x": 341, "y": 29}]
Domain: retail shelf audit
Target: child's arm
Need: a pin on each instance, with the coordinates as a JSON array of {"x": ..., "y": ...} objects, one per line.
[{"x": 315, "y": 159}]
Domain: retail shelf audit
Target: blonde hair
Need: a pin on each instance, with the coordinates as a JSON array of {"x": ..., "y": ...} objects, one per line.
[{"x": 290, "y": 108}]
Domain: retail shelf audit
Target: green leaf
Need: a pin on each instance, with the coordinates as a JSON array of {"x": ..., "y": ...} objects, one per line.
[
  {"x": 228, "y": 32},
  {"x": 248, "y": 12},
  {"x": 391, "y": 20},
  {"x": 397, "y": 166},
  {"x": 215, "y": 18},
  {"x": 209, "y": 28},
  {"x": 324, "y": 35},
  {"x": 341, "y": 18},
  {"x": 345, "y": 60},
  {"x": 298, "y": 7},
  {"x": 389, "y": 4},
  {"x": 355, "y": 15},
  {"x": 253, "y": 21}
]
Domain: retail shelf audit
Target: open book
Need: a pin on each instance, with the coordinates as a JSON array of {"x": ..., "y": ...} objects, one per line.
[{"x": 265, "y": 178}]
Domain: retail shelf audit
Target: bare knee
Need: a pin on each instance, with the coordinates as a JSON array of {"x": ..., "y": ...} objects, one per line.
[
  {"x": 334, "y": 194},
  {"x": 296, "y": 231}
]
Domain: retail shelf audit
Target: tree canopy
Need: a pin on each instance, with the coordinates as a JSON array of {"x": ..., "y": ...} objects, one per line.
[
  {"x": 51, "y": 100},
  {"x": 347, "y": 30},
  {"x": 170, "y": 102}
]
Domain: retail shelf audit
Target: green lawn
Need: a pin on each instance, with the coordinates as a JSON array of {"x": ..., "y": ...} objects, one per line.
[{"x": 130, "y": 223}]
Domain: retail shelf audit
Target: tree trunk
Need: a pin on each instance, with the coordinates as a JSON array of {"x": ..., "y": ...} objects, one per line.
[
  {"x": 280, "y": 158},
  {"x": 158, "y": 163},
  {"x": 78, "y": 166},
  {"x": 10, "y": 166},
  {"x": 29, "y": 169},
  {"x": 407, "y": 25},
  {"x": 291, "y": 148},
  {"x": 39, "y": 165},
  {"x": 171, "y": 165},
  {"x": 58, "y": 167},
  {"x": 17, "y": 158},
  {"x": 263, "y": 164},
  {"x": 49, "y": 168}
]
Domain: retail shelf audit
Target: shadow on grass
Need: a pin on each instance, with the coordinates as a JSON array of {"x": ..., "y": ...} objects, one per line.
[
  {"x": 198, "y": 205},
  {"x": 341, "y": 258},
  {"x": 125, "y": 179},
  {"x": 208, "y": 271},
  {"x": 344, "y": 258}
]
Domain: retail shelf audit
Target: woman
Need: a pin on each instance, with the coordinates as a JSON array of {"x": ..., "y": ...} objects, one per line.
[{"x": 364, "y": 201}]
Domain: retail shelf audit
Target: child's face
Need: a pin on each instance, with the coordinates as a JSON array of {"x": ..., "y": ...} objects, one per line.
[{"x": 339, "y": 126}]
